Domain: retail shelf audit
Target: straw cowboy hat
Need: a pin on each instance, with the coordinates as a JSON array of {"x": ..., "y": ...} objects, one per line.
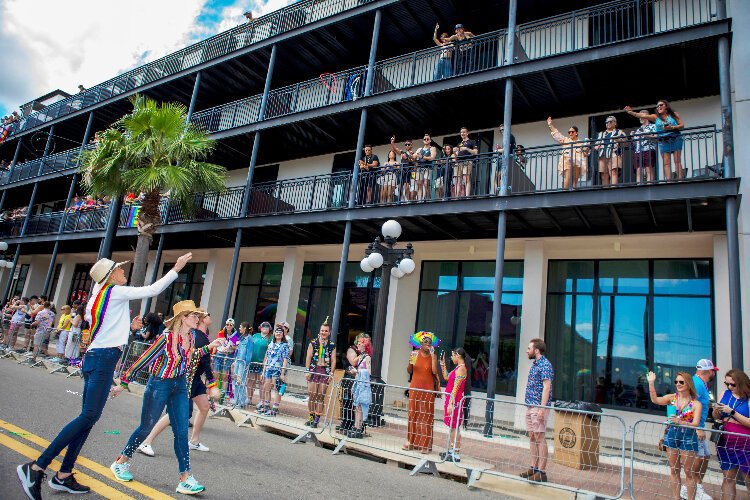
[
  {"x": 103, "y": 268},
  {"x": 182, "y": 308}
]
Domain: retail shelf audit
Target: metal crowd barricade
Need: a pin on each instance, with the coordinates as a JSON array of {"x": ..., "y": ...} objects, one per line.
[
  {"x": 650, "y": 474},
  {"x": 401, "y": 421},
  {"x": 130, "y": 355},
  {"x": 586, "y": 450},
  {"x": 295, "y": 404}
]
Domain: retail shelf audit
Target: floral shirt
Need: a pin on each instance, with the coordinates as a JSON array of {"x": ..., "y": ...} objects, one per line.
[
  {"x": 276, "y": 354},
  {"x": 688, "y": 411},
  {"x": 641, "y": 143},
  {"x": 540, "y": 371},
  {"x": 44, "y": 318}
]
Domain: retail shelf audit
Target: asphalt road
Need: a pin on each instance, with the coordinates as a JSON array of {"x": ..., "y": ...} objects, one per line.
[{"x": 242, "y": 463}]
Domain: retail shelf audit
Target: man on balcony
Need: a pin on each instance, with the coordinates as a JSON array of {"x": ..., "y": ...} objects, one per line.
[{"x": 368, "y": 163}]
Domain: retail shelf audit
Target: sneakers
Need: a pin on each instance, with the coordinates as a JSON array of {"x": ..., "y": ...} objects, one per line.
[
  {"x": 31, "y": 480},
  {"x": 700, "y": 493},
  {"x": 146, "y": 449},
  {"x": 189, "y": 486},
  {"x": 683, "y": 492},
  {"x": 69, "y": 484},
  {"x": 198, "y": 447},
  {"x": 121, "y": 471}
]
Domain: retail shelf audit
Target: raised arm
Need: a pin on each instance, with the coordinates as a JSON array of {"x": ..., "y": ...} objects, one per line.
[
  {"x": 648, "y": 116},
  {"x": 435, "y": 37},
  {"x": 657, "y": 400},
  {"x": 154, "y": 289},
  {"x": 556, "y": 135}
]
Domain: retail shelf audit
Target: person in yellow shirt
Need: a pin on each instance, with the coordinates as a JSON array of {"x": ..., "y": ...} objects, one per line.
[{"x": 63, "y": 325}]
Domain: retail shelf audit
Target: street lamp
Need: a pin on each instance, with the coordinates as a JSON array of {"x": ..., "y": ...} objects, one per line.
[
  {"x": 3, "y": 261},
  {"x": 396, "y": 262}
]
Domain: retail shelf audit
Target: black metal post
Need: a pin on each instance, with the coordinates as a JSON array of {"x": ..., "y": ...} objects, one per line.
[
  {"x": 731, "y": 207},
  {"x": 232, "y": 272},
  {"x": 12, "y": 272},
  {"x": 15, "y": 158},
  {"x": 30, "y": 209},
  {"x": 497, "y": 302},
  {"x": 378, "y": 330},
  {"x": 50, "y": 269},
  {"x": 193, "y": 97},
  {"x": 2, "y": 199},
  {"x": 340, "y": 281},
  {"x": 267, "y": 84},
  {"x": 49, "y": 141},
  {"x": 373, "y": 53},
  {"x": 113, "y": 222},
  {"x": 154, "y": 272}
]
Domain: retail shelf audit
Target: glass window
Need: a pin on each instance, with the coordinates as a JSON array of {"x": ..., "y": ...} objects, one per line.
[
  {"x": 187, "y": 286},
  {"x": 682, "y": 277},
  {"x": 258, "y": 292},
  {"x": 623, "y": 276},
  {"x": 455, "y": 302},
  {"x": 570, "y": 275},
  {"x": 643, "y": 315}
]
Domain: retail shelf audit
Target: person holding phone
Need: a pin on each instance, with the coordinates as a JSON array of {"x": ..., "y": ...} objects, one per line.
[
  {"x": 423, "y": 368},
  {"x": 734, "y": 451},
  {"x": 681, "y": 439}
]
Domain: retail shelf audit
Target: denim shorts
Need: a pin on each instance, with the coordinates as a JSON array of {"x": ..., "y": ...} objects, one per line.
[
  {"x": 703, "y": 449},
  {"x": 272, "y": 372},
  {"x": 680, "y": 438}
]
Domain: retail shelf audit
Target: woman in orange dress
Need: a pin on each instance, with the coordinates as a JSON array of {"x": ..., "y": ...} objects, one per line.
[{"x": 423, "y": 368}]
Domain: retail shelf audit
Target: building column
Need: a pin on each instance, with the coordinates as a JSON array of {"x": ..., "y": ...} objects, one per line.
[
  {"x": 146, "y": 307},
  {"x": 399, "y": 325},
  {"x": 193, "y": 97},
  {"x": 533, "y": 308},
  {"x": 722, "y": 307},
  {"x": 291, "y": 281},
  {"x": 35, "y": 278},
  {"x": 219, "y": 285},
  {"x": 59, "y": 296}
]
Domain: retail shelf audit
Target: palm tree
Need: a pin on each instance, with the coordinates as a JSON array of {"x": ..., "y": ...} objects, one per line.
[{"x": 152, "y": 150}]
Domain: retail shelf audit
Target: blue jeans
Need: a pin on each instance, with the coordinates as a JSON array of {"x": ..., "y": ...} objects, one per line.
[
  {"x": 98, "y": 370},
  {"x": 442, "y": 69},
  {"x": 161, "y": 392}
]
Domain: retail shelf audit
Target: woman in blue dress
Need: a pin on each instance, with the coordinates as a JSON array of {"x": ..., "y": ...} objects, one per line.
[{"x": 668, "y": 125}]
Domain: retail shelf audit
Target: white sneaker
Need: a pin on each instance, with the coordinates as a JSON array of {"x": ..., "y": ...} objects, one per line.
[
  {"x": 683, "y": 492},
  {"x": 198, "y": 447},
  {"x": 700, "y": 493},
  {"x": 146, "y": 449}
]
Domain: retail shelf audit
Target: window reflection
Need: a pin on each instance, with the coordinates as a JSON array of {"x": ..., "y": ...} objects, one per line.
[
  {"x": 641, "y": 315},
  {"x": 456, "y": 301}
]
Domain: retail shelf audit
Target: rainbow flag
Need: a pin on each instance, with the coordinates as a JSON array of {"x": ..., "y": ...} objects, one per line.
[
  {"x": 133, "y": 216},
  {"x": 4, "y": 134},
  {"x": 98, "y": 309}
]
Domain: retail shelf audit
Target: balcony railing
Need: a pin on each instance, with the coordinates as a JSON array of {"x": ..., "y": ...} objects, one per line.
[
  {"x": 304, "y": 194},
  {"x": 577, "y": 30},
  {"x": 280, "y": 21},
  {"x": 572, "y": 166},
  {"x": 55, "y": 163}
]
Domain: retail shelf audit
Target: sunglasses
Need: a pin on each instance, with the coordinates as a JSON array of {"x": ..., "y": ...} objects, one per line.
[
  {"x": 571, "y": 131},
  {"x": 679, "y": 382},
  {"x": 661, "y": 105},
  {"x": 729, "y": 384}
]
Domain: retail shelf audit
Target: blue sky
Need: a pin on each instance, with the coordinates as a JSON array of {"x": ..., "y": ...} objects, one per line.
[{"x": 89, "y": 41}]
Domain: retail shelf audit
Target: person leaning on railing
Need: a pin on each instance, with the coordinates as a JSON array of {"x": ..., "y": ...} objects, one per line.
[
  {"x": 423, "y": 158},
  {"x": 464, "y": 151},
  {"x": 572, "y": 165},
  {"x": 681, "y": 438},
  {"x": 609, "y": 149},
  {"x": 388, "y": 178},
  {"x": 668, "y": 125},
  {"x": 734, "y": 416}
]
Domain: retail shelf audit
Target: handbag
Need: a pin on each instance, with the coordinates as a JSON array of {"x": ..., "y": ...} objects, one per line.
[
  {"x": 661, "y": 445},
  {"x": 716, "y": 436}
]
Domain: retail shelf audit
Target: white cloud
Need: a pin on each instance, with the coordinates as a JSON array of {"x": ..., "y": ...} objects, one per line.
[{"x": 48, "y": 44}]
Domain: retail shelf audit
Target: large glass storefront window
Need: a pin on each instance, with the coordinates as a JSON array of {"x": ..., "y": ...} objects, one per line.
[
  {"x": 258, "y": 293},
  {"x": 455, "y": 302},
  {"x": 187, "y": 286},
  {"x": 611, "y": 321},
  {"x": 316, "y": 299}
]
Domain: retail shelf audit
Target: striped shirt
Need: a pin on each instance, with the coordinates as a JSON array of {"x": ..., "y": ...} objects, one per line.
[{"x": 165, "y": 361}]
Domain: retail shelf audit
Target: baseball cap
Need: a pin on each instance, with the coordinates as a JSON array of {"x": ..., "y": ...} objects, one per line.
[
  {"x": 459, "y": 26},
  {"x": 285, "y": 325},
  {"x": 706, "y": 364},
  {"x": 230, "y": 321},
  {"x": 265, "y": 324}
]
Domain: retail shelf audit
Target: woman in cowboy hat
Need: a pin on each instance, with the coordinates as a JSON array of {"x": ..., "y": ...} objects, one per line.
[
  {"x": 108, "y": 313},
  {"x": 170, "y": 358}
]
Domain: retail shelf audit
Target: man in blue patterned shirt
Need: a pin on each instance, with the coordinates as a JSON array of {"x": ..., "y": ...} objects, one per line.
[{"x": 538, "y": 390}]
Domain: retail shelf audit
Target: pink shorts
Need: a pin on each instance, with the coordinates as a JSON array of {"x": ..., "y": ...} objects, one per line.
[{"x": 536, "y": 419}]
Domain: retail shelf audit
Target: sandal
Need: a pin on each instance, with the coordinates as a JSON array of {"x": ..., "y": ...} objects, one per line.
[{"x": 407, "y": 447}]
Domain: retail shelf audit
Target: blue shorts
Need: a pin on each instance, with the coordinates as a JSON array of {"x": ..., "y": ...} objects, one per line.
[
  {"x": 670, "y": 143},
  {"x": 680, "y": 438},
  {"x": 703, "y": 449},
  {"x": 272, "y": 372},
  {"x": 255, "y": 368}
]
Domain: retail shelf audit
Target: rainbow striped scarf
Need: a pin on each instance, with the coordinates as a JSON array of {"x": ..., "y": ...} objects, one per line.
[{"x": 99, "y": 309}]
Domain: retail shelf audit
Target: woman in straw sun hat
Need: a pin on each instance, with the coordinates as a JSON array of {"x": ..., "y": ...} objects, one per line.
[
  {"x": 108, "y": 313},
  {"x": 170, "y": 357}
]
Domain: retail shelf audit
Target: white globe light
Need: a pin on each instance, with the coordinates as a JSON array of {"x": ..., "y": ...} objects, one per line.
[
  {"x": 3, "y": 262},
  {"x": 364, "y": 264},
  {"x": 3, "y": 246},
  {"x": 391, "y": 229},
  {"x": 9, "y": 264},
  {"x": 397, "y": 273},
  {"x": 375, "y": 259},
  {"x": 407, "y": 265}
]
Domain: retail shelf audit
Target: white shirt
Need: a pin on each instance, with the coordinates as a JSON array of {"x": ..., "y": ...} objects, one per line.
[{"x": 115, "y": 327}]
